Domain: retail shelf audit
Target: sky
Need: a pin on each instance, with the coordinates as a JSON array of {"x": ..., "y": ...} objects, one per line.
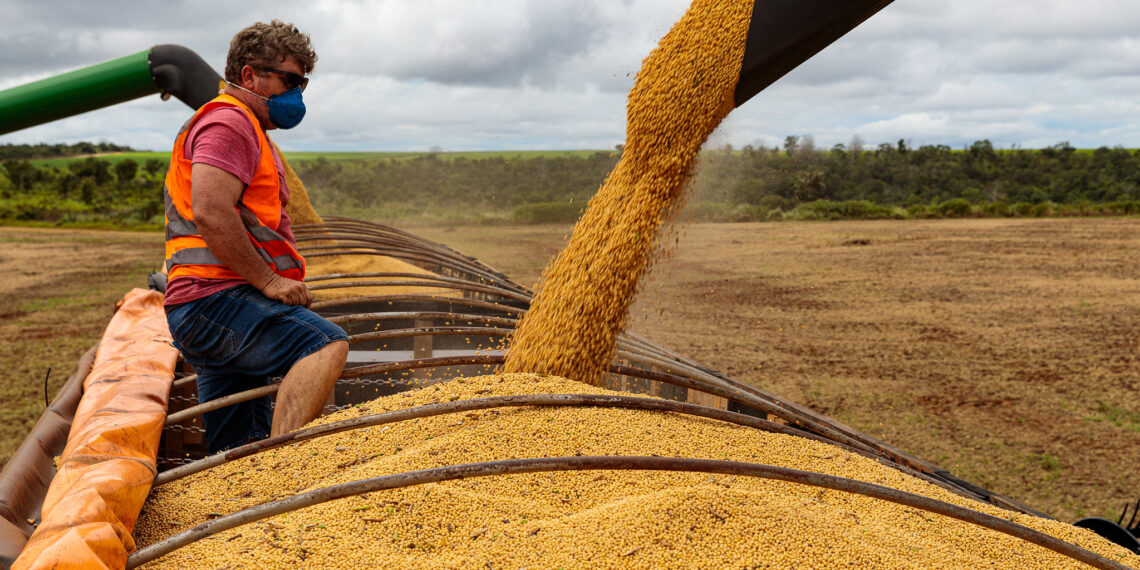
[{"x": 458, "y": 75}]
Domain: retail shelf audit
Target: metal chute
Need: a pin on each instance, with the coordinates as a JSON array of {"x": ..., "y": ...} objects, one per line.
[{"x": 786, "y": 33}]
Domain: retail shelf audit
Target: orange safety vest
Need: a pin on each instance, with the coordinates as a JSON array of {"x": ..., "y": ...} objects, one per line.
[{"x": 259, "y": 207}]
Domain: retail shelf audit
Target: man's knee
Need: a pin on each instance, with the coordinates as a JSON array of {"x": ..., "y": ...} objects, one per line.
[
  {"x": 335, "y": 352},
  {"x": 338, "y": 348}
]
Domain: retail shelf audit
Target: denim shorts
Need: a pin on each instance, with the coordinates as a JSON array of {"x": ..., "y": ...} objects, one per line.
[{"x": 236, "y": 340}]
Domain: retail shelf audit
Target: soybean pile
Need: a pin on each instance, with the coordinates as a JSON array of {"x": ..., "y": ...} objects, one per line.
[
  {"x": 301, "y": 211},
  {"x": 365, "y": 263},
  {"x": 683, "y": 91},
  {"x": 628, "y": 519},
  {"x": 299, "y": 208}
]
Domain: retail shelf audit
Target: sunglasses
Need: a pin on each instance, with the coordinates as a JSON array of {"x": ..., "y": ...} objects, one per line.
[{"x": 290, "y": 79}]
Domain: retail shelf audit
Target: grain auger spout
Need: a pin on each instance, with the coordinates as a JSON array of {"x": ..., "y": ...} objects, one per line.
[
  {"x": 786, "y": 33},
  {"x": 169, "y": 70}
]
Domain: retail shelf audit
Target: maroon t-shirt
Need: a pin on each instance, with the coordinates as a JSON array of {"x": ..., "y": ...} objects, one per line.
[{"x": 225, "y": 138}]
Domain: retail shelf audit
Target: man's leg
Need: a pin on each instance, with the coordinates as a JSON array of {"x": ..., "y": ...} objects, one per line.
[
  {"x": 205, "y": 342},
  {"x": 236, "y": 424},
  {"x": 306, "y": 387},
  {"x": 259, "y": 337}
]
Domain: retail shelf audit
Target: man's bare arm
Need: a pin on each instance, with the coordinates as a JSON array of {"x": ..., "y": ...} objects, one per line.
[{"x": 213, "y": 195}]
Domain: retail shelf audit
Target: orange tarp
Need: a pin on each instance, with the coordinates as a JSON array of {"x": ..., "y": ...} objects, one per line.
[{"x": 108, "y": 466}]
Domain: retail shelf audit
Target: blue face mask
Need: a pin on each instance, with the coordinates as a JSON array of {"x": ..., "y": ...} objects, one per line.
[{"x": 285, "y": 109}]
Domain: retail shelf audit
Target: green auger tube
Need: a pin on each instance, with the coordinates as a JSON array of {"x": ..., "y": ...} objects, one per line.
[{"x": 166, "y": 69}]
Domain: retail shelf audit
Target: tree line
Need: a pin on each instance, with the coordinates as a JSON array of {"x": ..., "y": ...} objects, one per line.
[
  {"x": 933, "y": 180},
  {"x": 88, "y": 190},
  {"x": 60, "y": 150},
  {"x": 795, "y": 181},
  {"x": 434, "y": 187}
]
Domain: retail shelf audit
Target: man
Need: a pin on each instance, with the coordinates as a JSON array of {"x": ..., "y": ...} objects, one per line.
[{"x": 235, "y": 300}]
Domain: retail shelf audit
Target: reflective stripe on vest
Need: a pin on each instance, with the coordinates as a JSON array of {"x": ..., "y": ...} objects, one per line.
[
  {"x": 177, "y": 226},
  {"x": 203, "y": 256}
]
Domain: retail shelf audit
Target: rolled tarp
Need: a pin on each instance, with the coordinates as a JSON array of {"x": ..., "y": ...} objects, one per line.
[{"x": 107, "y": 468}]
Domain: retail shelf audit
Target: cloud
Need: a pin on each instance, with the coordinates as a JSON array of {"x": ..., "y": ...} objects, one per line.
[
  {"x": 421, "y": 115},
  {"x": 42, "y": 38},
  {"x": 404, "y": 74},
  {"x": 505, "y": 43}
]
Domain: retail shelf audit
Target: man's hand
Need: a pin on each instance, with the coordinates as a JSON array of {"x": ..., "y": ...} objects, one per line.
[{"x": 287, "y": 291}]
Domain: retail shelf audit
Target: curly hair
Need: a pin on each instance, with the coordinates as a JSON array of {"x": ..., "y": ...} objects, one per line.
[{"x": 267, "y": 45}]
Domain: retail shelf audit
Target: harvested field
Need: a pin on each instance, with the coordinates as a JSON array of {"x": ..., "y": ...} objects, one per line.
[
  {"x": 58, "y": 289},
  {"x": 1002, "y": 350}
]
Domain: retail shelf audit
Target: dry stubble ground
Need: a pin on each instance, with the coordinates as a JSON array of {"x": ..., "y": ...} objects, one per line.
[
  {"x": 1001, "y": 349},
  {"x": 58, "y": 289}
]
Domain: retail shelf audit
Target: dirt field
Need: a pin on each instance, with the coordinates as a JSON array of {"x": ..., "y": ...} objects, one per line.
[
  {"x": 57, "y": 291},
  {"x": 1002, "y": 350}
]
